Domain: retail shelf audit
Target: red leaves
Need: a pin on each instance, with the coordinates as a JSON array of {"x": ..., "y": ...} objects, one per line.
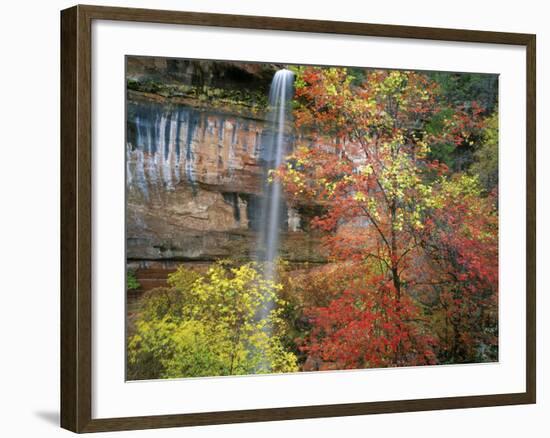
[
  {"x": 369, "y": 328},
  {"x": 465, "y": 125}
]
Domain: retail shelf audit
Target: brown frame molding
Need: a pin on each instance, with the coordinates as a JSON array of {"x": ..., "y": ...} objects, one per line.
[{"x": 76, "y": 173}]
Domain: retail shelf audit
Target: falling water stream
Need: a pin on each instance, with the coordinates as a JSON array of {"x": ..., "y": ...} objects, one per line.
[{"x": 275, "y": 146}]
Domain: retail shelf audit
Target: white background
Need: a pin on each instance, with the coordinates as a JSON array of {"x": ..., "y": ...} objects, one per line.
[
  {"x": 112, "y": 397},
  {"x": 29, "y": 181}
]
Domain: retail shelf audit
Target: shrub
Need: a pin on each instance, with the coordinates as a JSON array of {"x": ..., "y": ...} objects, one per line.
[{"x": 224, "y": 322}]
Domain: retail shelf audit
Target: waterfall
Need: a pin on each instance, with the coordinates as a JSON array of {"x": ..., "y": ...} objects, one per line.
[{"x": 275, "y": 146}]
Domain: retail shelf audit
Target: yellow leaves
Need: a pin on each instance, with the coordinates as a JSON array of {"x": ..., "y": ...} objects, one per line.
[
  {"x": 183, "y": 278},
  {"x": 393, "y": 82},
  {"x": 424, "y": 190},
  {"x": 418, "y": 225},
  {"x": 372, "y": 207},
  {"x": 360, "y": 196},
  {"x": 213, "y": 323},
  {"x": 460, "y": 186},
  {"x": 422, "y": 149},
  {"x": 367, "y": 169},
  {"x": 331, "y": 90}
]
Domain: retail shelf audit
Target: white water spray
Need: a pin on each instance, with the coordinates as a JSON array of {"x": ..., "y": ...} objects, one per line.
[{"x": 275, "y": 147}]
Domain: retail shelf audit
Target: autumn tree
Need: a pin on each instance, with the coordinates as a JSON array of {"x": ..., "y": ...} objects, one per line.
[{"x": 405, "y": 223}]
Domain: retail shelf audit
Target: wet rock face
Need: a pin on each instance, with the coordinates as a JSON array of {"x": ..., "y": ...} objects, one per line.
[
  {"x": 172, "y": 144},
  {"x": 194, "y": 183}
]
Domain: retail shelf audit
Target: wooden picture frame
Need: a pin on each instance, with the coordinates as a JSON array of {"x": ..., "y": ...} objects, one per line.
[{"x": 76, "y": 218}]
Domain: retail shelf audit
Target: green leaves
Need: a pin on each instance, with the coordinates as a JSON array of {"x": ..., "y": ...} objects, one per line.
[{"x": 132, "y": 282}]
